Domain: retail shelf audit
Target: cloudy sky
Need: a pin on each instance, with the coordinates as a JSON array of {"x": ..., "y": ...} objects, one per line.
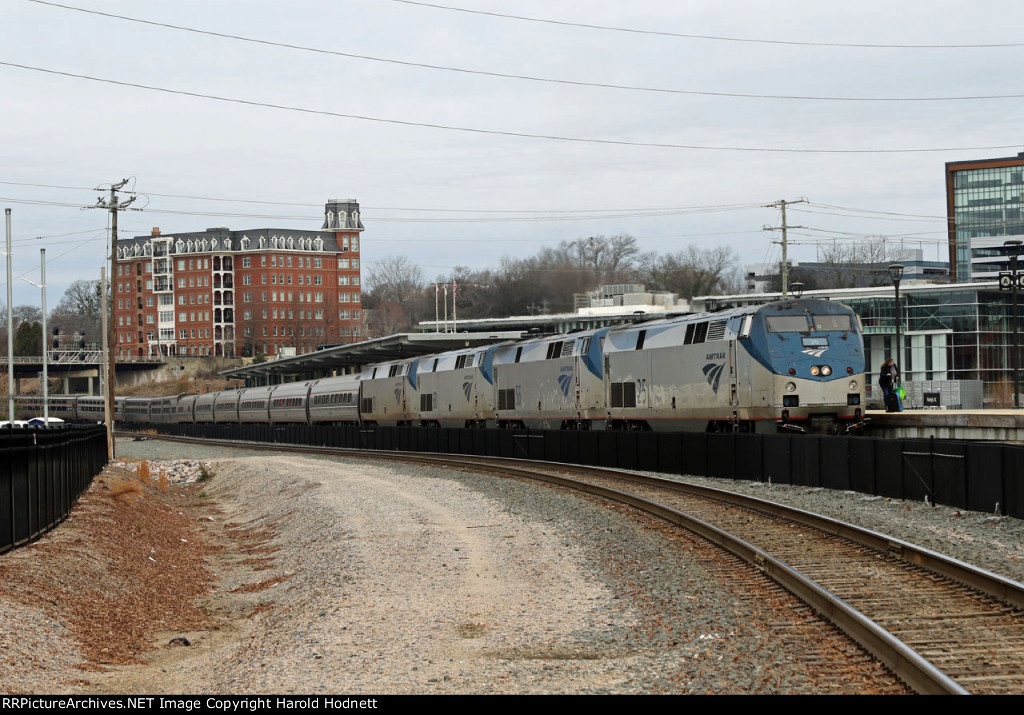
[{"x": 674, "y": 122}]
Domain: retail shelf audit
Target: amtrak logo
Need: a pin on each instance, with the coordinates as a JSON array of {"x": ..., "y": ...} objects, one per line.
[
  {"x": 398, "y": 393},
  {"x": 564, "y": 381},
  {"x": 467, "y": 387},
  {"x": 713, "y": 373},
  {"x": 814, "y": 352}
]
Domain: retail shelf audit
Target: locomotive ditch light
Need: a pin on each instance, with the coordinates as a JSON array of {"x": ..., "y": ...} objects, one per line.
[
  {"x": 790, "y": 387},
  {"x": 826, "y": 370},
  {"x": 853, "y": 385},
  {"x": 815, "y": 370}
]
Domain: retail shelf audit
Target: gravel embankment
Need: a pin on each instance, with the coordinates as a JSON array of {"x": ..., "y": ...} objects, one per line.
[{"x": 354, "y": 576}]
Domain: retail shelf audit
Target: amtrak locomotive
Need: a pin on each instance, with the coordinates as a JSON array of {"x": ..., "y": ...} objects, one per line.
[{"x": 795, "y": 365}]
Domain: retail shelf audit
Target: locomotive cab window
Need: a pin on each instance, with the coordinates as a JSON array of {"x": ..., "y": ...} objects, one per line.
[
  {"x": 825, "y": 323},
  {"x": 788, "y": 324}
]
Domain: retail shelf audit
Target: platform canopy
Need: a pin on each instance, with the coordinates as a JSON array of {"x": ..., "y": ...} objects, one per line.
[{"x": 350, "y": 356}]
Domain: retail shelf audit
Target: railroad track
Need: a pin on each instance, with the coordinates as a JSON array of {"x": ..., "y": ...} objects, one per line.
[{"x": 940, "y": 625}]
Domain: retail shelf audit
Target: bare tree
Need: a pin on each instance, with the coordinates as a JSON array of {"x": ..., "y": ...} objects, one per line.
[
  {"x": 690, "y": 272},
  {"x": 398, "y": 283},
  {"x": 850, "y": 264}
]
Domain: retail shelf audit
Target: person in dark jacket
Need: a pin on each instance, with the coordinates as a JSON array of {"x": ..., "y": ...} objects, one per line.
[{"x": 887, "y": 380}]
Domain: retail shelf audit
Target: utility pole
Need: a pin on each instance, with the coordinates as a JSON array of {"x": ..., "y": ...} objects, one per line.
[
  {"x": 10, "y": 327},
  {"x": 113, "y": 205},
  {"x": 782, "y": 204}
]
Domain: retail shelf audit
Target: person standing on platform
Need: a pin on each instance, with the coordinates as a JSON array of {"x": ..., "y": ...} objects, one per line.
[{"x": 888, "y": 380}]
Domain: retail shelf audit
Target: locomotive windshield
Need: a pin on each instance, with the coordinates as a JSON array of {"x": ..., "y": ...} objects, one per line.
[
  {"x": 788, "y": 324},
  {"x": 798, "y": 323},
  {"x": 826, "y": 323}
]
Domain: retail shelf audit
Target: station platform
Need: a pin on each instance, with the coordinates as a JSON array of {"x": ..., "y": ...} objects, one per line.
[{"x": 993, "y": 425}]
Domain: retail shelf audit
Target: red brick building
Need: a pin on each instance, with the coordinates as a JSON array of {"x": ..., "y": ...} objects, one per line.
[{"x": 240, "y": 293}]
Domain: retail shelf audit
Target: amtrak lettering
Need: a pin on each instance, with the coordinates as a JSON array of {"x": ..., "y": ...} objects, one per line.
[{"x": 715, "y": 356}]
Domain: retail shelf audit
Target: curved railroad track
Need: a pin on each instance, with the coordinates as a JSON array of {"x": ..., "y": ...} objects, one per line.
[{"x": 940, "y": 625}]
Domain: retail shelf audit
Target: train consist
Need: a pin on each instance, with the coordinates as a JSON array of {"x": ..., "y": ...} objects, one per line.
[{"x": 794, "y": 365}]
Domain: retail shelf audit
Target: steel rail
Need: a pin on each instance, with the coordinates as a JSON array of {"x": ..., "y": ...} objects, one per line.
[{"x": 915, "y": 670}]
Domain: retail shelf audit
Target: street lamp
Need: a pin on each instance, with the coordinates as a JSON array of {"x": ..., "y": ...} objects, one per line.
[
  {"x": 896, "y": 273},
  {"x": 46, "y": 377},
  {"x": 1014, "y": 246}
]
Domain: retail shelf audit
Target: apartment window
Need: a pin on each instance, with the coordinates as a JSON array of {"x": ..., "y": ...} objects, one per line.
[
  {"x": 355, "y": 297},
  {"x": 263, "y": 278},
  {"x": 273, "y": 278},
  {"x": 289, "y": 261},
  {"x": 343, "y": 280},
  {"x": 355, "y": 263},
  {"x": 181, "y": 282},
  {"x": 355, "y": 244},
  {"x": 318, "y": 280},
  {"x": 192, "y": 299},
  {"x": 246, "y": 262},
  {"x": 182, "y": 300},
  {"x": 181, "y": 264},
  {"x": 247, "y": 298},
  {"x": 149, "y": 301},
  {"x": 246, "y": 280},
  {"x": 183, "y": 334},
  {"x": 263, "y": 260},
  {"x": 342, "y": 263}
]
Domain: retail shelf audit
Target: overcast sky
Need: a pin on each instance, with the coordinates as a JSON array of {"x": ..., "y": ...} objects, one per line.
[{"x": 614, "y": 160}]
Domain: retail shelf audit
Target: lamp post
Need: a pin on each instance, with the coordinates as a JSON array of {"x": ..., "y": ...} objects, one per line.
[
  {"x": 1014, "y": 246},
  {"x": 896, "y": 274},
  {"x": 46, "y": 376}
]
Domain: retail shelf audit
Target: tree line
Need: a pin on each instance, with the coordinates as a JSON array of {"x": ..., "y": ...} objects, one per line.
[{"x": 400, "y": 294}]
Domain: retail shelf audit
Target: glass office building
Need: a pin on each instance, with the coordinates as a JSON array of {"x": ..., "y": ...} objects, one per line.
[{"x": 984, "y": 205}]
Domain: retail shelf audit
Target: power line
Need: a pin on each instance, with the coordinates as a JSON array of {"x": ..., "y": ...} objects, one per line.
[
  {"x": 530, "y": 78},
  {"x": 498, "y": 132},
  {"x": 717, "y": 38}
]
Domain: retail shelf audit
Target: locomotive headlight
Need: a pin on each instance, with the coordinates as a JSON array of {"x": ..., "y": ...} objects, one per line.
[
  {"x": 826, "y": 370},
  {"x": 790, "y": 387},
  {"x": 853, "y": 385},
  {"x": 815, "y": 370}
]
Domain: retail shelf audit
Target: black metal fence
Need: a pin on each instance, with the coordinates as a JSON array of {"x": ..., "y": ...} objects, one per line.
[
  {"x": 45, "y": 472},
  {"x": 981, "y": 476}
]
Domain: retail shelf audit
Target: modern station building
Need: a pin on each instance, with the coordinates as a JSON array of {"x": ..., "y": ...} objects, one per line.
[
  {"x": 984, "y": 205},
  {"x": 231, "y": 293}
]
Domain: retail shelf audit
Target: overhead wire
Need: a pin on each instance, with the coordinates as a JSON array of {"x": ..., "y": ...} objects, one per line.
[
  {"x": 498, "y": 132},
  {"x": 716, "y": 38},
  {"x": 506, "y": 75}
]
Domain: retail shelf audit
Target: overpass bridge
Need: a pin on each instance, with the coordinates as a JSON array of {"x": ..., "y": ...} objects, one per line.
[{"x": 78, "y": 370}]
